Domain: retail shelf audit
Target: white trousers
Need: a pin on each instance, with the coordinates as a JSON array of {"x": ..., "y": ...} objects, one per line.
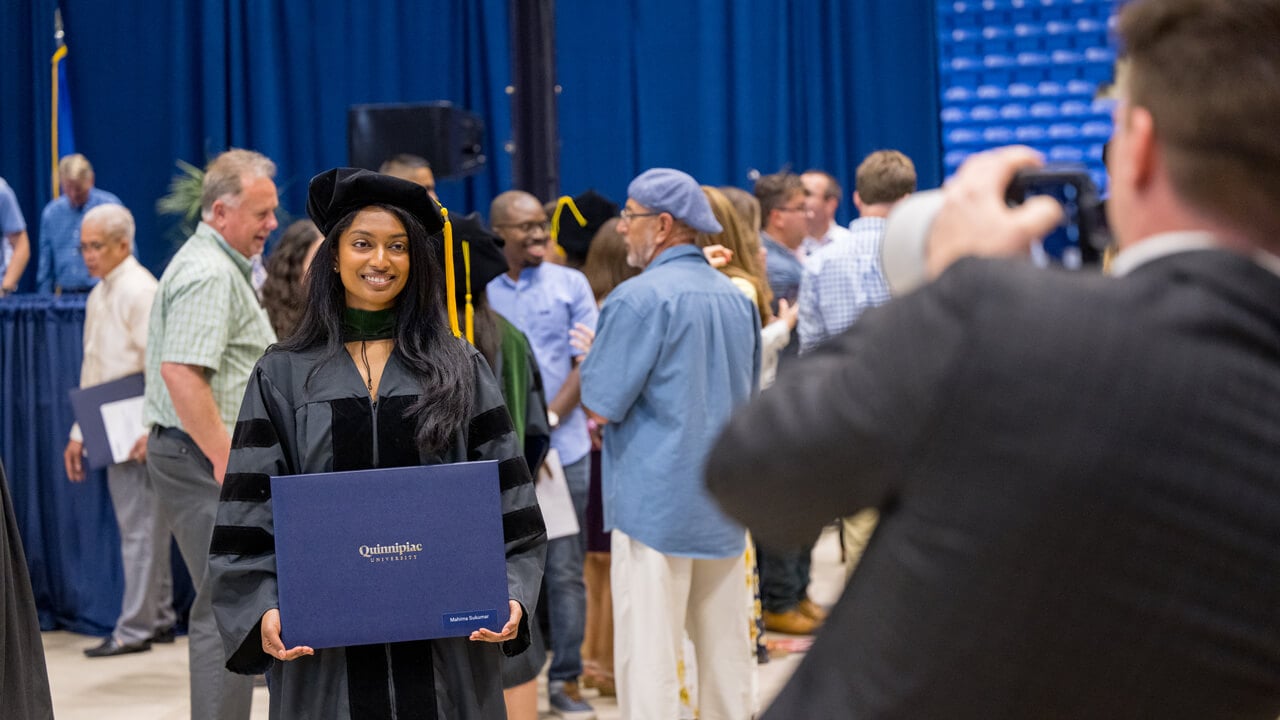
[{"x": 656, "y": 599}]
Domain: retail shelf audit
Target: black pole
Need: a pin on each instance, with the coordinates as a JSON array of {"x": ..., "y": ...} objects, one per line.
[{"x": 535, "y": 127}]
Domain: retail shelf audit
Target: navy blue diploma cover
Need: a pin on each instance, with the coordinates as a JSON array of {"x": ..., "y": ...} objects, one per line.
[
  {"x": 87, "y": 403},
  {"x": 389, "y": 555}
]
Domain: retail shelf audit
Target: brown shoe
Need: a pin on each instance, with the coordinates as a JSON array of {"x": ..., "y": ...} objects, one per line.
[
  {"x": 571, "y": 689},
  {"x": 599, "y": 680},
  {"x": 812, "y": 610},
  {"x": 791, "y": 622}
]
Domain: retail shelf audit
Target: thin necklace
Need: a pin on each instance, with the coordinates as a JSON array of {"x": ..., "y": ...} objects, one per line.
[{"x": 364, "y": 355}]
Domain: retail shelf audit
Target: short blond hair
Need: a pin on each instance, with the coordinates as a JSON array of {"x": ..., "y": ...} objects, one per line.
[
  {"x": 885, "y": 176},
  {"x": 74, "y": 167}
]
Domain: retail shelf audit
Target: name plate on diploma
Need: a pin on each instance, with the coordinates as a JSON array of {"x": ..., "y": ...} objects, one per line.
[{"x": 389, "y": 555}]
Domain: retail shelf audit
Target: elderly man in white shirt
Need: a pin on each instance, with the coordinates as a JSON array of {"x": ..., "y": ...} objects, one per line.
[{"x": 115, "y": 341}]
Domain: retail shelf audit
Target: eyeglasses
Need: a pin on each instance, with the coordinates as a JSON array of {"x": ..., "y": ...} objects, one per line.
[
  {"x": 797, "y": 208},
  {"x": 527, "y": 228},
  {"x": 629, "y": 215},
  {"x": 96, "y": 247}
]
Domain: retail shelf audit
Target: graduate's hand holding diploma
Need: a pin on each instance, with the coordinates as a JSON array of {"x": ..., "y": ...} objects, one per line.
[
  {"x": 273, "y": 645},
  {"x": 508, "y": 631}
]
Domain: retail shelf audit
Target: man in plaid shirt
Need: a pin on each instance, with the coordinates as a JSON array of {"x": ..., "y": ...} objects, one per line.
[
  {"x": 207, "y": 331},
  {"x": 844, "y": 278}
]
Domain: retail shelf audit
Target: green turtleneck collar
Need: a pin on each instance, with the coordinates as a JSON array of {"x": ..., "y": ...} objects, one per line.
[{"x": 360, "y": 325}]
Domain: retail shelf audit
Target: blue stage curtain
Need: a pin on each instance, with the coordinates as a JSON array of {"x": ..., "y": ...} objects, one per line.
[
  {"x": 26, "y": 48},
  {"x": 155, "y": 81},
  {"x": 68, "y": 529},
  {"x": 721, "y": 87},
  {"x": 717, "y": 87}
]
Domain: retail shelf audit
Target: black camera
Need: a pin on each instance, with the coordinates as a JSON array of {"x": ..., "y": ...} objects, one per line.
[{"x": 1078, "y": 243}]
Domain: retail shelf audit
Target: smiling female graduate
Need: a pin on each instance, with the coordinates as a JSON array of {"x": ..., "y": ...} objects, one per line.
[{"x": 373, "y": 377}]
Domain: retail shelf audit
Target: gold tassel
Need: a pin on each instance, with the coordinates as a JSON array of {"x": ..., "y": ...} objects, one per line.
[
  {"x": 471, "y": 313},
  {"x": 451, "y": 299}
]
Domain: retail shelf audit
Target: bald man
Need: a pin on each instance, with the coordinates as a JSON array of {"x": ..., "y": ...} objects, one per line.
[
  {"x": 412, "y": 168},
  {"x": 545, "y": 301}
]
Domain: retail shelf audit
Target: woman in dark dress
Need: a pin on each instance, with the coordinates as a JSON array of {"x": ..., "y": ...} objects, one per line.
[{"x": 372, "y": 377}]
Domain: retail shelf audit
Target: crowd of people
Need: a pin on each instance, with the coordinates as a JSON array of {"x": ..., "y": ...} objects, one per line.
[
  {"x": 198, "y": 333},
  {"x": 1074, "y": 473}
]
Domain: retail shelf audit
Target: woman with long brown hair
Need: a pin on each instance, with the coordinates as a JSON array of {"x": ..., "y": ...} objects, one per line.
[{"x": 745, "y": 270}]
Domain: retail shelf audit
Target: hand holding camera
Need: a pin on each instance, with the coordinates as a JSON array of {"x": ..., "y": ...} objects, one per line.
[
  {"x": 1004, "y": 202},
  {"x": 975, "y": 217}
]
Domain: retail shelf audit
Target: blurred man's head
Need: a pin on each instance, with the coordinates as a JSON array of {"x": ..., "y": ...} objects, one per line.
[
  {"x": 884, "y": 178},
  {"x": 824, "y": 197},
  {"x": 521, "y": 221},
  {"x": 784, "y": 210},
  {"x": 239, "y": 199},
  {"x": 1196, "y": 143},
  {"x": 411, "y": 168},
  {"x": 75, "y": 175},
  {"x": 106, "y": 238}
]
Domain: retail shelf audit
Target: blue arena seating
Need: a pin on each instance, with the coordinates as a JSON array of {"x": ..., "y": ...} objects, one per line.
[{"x": 1026, "y": 71}]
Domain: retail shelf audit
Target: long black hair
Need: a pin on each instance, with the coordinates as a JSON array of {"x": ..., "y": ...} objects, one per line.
[{"x": 424, "y": 342}]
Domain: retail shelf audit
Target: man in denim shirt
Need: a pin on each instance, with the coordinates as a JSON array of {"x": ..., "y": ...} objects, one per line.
[{"x": 677, "y": 350}]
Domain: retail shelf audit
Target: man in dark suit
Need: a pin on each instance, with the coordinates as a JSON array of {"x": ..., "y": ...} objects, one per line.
[{"x": 1078, "y": 476}]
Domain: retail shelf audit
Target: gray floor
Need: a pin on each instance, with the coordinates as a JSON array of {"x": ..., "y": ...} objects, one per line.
[{"x": 153, "y": 685}]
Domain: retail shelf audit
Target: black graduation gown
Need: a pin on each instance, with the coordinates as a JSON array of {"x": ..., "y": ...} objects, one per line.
[{"x": 286, "y": 426}]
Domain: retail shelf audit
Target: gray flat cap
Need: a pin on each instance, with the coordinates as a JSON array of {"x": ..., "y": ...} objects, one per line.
[{"x": 675, "y": 192}]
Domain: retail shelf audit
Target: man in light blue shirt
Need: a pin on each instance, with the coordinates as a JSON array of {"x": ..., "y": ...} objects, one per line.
[
  {"x": 677, "y": 350},
  {"x": 60, "y": 268},
  {"x": 545, "y": 301},
  {"x": 14, "y": 248}
]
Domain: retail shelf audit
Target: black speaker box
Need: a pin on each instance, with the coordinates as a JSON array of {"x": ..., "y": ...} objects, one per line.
[{"x": 447, "y": 137}]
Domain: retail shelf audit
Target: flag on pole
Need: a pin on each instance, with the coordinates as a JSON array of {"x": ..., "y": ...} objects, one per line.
[{"x": 62, "y": 140}]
